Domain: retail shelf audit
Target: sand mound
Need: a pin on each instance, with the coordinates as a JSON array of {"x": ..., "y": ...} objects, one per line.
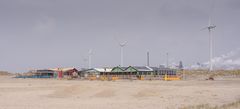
[
  {"x": 105, "y": 93},
  {"x": 147, "y": 93},
  {"x": 70, "y": 91}
]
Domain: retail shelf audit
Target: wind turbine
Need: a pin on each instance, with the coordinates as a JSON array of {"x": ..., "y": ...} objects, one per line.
[
  {"x": 90, "y": 58},
  {"x": 210, "y": 28},
  {"x": 121, "y": 46},
  {"x": 85, "y": 60}
]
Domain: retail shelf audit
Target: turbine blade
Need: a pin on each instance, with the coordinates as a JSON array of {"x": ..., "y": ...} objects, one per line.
[
  {"x": 116, "y": 38},
  {"x": 90, "y": 52},
  {"x": 209, "y": 20},
  {"x": 204, "y": 28},
  {"x": 125, "y": 43},
  {"x": 211, "y": 12}
]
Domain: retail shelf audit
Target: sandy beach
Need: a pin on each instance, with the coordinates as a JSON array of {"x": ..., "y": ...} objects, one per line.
[{"x": 78, "y": 94}]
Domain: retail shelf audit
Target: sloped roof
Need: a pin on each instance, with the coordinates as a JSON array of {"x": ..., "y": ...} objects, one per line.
[
  {"x": 135, "y": 69},
  {"x": 44, "y": 71},
  {"x": 63, "y": 69},
  {"x": 90, "y": 70},
  {"x": 130, "y": 69},
  {"x": 142, "y": 68},
  {"x": 103, "y": 69},
  {"x": 97, "y": 70},
  {"x": 117, "y": 69}
]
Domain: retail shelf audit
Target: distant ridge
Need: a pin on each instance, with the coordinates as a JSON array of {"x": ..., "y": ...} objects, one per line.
[{"x": 5, "y": 73}]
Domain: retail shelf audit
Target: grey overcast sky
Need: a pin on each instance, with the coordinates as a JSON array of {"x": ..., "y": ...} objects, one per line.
[{"x": 59, "y": 33}]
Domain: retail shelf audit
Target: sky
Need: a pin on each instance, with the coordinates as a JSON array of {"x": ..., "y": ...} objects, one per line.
[{"x": 38, "y": 34}]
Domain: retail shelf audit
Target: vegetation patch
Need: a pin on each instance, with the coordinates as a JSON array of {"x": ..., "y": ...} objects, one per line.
[{"x": 233, "y": 105}]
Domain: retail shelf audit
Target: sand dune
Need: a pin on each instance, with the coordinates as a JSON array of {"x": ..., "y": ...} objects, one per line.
[{"x": 75, "y": 94}]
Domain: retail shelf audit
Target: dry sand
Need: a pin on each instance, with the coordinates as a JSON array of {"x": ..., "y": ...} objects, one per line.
[{"x": 77, "y": 94}]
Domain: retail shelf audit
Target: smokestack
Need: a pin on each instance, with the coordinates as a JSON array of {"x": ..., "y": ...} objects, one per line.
[{"x": 147, "y": 58}]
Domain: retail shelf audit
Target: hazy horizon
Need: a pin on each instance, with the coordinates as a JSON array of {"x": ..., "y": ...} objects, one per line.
[{"x": 59, "y": 33}]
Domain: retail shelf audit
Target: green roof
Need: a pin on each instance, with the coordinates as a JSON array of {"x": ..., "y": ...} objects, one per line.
[
  {"x": 117, "y": 69},
  {"x": 131, "y": 69}
]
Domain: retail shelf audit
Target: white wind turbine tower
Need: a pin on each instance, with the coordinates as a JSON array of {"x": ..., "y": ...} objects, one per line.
[
  {"x": 85, "y": 60},
  {"x": 210, "y": 28},
  {"x": 90, "y": 58},
  {"x": 121, "y": 46}
]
